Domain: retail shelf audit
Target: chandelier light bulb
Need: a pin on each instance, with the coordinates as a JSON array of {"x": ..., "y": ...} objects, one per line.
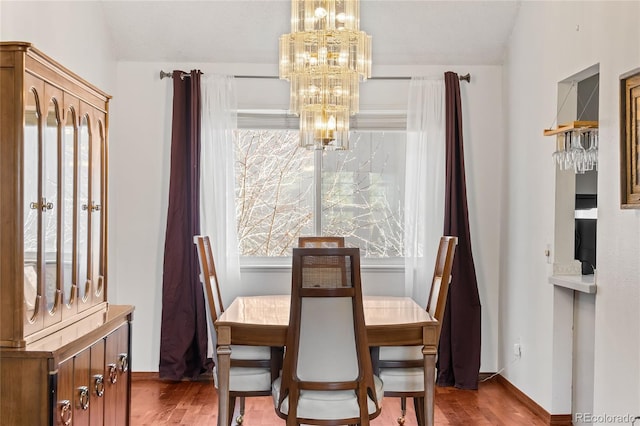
[{"x": 331, "y": 123}]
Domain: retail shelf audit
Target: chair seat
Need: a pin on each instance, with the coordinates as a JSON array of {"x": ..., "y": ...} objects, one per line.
[
  {"x": 252, "y": 353},
  {"x": 400, "y": 353},
  {"x": 245, "y": 379},
  {"x": 402, "y": 379},
  {"x": 327, "y": 405}
]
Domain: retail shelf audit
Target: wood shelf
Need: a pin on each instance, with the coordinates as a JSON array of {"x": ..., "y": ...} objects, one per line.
[{"x": 574, "y": 125}]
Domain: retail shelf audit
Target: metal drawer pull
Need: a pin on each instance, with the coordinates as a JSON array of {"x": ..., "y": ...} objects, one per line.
[
  {"x": 83, "y": 393},
  {"x": 123, "y": 363},
  {"x": 65, "y": 412},
  {"x": 98, "y": 384},
  {"x": 113, "y": 373}
]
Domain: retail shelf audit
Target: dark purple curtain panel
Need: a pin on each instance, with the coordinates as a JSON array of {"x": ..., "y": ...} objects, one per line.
[
  {"x": 183, "y": 335},
  {"x": 459, "y": 348}
]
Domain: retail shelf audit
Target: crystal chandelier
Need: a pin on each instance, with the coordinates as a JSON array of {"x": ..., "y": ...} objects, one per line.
[{"x": 325, "y": 57}]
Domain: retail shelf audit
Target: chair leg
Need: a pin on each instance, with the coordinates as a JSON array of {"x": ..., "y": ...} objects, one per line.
[
  {"x": 240, "y": 418},
  {"x": 232, "y": 407},
  {"x": 403, "y": 410},
  {"x": 418, "y": 403}
]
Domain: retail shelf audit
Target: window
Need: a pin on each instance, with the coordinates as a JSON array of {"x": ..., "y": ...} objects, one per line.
[{"x": 283, "y": 191}]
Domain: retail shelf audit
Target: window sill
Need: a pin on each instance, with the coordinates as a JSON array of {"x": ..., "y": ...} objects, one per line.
[{"x": 583, "y": 283}]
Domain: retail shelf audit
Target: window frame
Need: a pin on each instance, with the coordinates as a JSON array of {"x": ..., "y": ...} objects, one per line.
[{"x": 365, "y": 121}]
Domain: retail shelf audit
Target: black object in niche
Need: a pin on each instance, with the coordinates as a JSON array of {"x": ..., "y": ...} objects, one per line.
[
  {"x": 586, "y": 201},
  {"x": 585, "y": 244}
]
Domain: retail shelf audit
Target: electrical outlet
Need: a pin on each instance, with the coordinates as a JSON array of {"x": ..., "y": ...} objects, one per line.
[
  {"x": 547, "y": 253},
  {"x": 517, "y": 350}
]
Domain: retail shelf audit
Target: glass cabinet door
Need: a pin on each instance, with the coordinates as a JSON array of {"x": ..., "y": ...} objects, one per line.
[
  {"x": 82, "y": 240},
  {"x": 67, "y": 252},
  {"x": 31, "y": 207},
  {"x": 50, "y": 206},
  {"x": 97, "y": 228}
]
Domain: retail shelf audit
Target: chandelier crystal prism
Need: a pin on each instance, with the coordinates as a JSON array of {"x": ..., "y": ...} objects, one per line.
[{"x": 325, "y": 57}]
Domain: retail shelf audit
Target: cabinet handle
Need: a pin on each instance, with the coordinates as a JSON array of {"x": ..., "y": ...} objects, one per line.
[
  {"x": 44, "y": 205},
  {"x": 65, "y": 412},
  {"x": 113, "y": 373},
  {"x": 123, "y": 363},
  {"x": 98, "y": 385},
  {"x": 83, "y": 393},
  {"x": 92, "y": 207}
]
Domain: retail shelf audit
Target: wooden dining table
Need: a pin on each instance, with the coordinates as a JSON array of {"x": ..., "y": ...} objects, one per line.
[{"x": 263, "y": 321}]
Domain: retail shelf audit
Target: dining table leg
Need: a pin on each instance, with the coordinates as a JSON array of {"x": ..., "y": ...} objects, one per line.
[
  {"x": 429, "y": 388},
  {"x": 224, "y": 365}
]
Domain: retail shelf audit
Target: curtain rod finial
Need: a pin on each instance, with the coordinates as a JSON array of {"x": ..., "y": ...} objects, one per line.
[
  {"x": 165, "y": 75},
  {"x": 466, "y": 77}
]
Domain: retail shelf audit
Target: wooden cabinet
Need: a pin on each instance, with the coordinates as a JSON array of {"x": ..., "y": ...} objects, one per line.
[
  {"x": 76, "y": 376},
  {"x": 64, "y": 352},
  {"x": 53, "y": 167}
]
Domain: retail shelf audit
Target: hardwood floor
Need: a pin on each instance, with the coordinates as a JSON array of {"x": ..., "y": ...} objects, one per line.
[{"x": 156, "y": 402}]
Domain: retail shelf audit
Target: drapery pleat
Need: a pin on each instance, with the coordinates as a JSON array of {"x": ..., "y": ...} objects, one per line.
[
  {"x": 424, "y": 183},
  {"x": 183, "y": 334},
  {"x": 217, "y": 179},
  {"x": 459, "y": 348}
]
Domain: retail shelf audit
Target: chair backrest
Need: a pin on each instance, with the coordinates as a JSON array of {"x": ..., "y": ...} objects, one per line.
[
  {"x": 327, "y": 345},
  {"x": 441, "y": 278},
  {"x": 323, "y": 241},
  {"x": 327, "y": 265},
  {"x": 208, "y": 276}
]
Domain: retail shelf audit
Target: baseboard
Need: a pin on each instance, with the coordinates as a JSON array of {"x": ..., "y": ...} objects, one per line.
[
  {"x": 145, "y": 375},
  {"x": 550, "y": 419},
  {"x": 154, "y": 375}
]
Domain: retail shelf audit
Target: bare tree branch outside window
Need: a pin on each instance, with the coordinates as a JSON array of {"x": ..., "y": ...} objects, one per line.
[{"x": 362, "y": 192}]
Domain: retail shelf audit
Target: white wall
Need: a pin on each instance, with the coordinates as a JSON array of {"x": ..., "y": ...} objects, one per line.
[
  {"x": 140, "y": 158},
  {"x": 72, "y": 33},
  {"x": 551, "y": 41}
]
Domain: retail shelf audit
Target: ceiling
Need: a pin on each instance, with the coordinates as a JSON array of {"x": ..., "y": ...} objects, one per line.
[{"x": 419, "y": 32}]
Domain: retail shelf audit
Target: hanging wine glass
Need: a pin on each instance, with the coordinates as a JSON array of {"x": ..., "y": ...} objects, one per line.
[
  {"x": 557, "y": 156},
  {"x": 592, "y": 152},
  {"x": 579, "y": 152}
]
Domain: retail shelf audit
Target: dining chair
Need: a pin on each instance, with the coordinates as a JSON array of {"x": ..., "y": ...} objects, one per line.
[
  {"x": 253, "y": 368},
  {"x": 321, "y": 241},
  {"x": 401, "y": 368},
  {"x": 327, "y": 377}
]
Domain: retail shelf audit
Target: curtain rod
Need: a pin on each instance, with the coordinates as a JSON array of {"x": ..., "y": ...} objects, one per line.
[{"x": 163, "y": 74}]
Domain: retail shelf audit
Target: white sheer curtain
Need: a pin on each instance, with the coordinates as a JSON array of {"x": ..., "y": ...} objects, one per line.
[
  {"x": 424, "y": 183},
  {"x": 217, "y": 187}
]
